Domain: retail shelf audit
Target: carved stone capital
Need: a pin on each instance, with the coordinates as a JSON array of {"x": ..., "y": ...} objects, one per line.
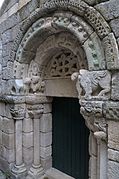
[
  {"x": 35, "y": 112},
  {"x": 18, "y": 113},
  {"x": 92, "y": 108},
  {"x": 92, "y": 112}
]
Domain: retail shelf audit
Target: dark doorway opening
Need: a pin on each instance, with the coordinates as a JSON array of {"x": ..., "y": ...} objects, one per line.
[{"x": 70, "y": 138}]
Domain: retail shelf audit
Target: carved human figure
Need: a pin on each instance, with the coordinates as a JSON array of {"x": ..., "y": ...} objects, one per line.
[{"x": 89, "y": 82}]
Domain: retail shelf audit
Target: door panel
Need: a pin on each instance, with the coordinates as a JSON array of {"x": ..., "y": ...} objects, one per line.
[{"x": 70, "y": 138}]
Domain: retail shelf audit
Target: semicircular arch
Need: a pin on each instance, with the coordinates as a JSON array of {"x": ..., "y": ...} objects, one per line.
[{"x": 62, "y": 22}]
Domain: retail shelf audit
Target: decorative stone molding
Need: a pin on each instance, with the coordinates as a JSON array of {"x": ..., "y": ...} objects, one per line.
[
  {"x": 93, "y": 84},
  {"x": 92, "y": 112},
  {"x": 80, "y": 8},
  {"x": 18, "y": 114},
  {"x": 111, "y": 111},
  {"x": 111, "y": 52},
  {"x": 72, "y": 24}
]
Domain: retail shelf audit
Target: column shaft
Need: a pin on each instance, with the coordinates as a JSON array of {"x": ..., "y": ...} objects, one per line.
[
  {"x": 36, "y": 142},
  {"x": 18, "y": 142}
]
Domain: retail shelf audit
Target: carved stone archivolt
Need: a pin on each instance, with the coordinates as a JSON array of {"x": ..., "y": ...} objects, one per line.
[
  {"x": 77, "y": 26},
  {"x": 80, "y": 8}
]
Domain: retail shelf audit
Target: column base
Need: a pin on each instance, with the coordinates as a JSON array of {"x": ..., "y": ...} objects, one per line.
[
  {"x": 19, "y": 172},
  {"x": 35, "y": 172}
]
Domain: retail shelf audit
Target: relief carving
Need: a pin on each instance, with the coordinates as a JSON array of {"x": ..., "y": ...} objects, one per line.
[
  {"x": 33, "y": 83},
  {"x": 92, "y": 111},
  {"x": 62, "y": 65},
  {"x": 91, "y": 84},
  {"x": 18, "y": 113}
]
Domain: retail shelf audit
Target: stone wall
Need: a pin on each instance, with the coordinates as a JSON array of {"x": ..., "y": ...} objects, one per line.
[{"x": 16, "y": 18}]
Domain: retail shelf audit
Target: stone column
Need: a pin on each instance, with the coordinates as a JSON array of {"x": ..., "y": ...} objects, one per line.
[
  {"x": 102, "y": 155},
  {"x": 19, "y": 167},
  {"x": 36, "y": 170}
]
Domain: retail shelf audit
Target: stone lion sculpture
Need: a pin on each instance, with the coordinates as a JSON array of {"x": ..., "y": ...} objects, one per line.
[{"x": 90, "y": 83}]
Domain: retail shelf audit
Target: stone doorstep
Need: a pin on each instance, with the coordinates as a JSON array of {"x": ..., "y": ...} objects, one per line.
[{"x": 55, "y": 174}]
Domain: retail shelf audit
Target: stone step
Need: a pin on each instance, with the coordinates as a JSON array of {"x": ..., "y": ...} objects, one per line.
[{"x": 56, "y": 174}]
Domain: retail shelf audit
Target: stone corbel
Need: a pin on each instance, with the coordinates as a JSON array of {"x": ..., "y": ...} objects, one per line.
[
  {"x": 19, "y": 168},
  {"x": 35, "y": 112},
  {"x": 92, "y": 112}
]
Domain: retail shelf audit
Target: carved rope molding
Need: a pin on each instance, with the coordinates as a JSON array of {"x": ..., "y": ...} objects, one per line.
[{"x": 81, "y": 9}]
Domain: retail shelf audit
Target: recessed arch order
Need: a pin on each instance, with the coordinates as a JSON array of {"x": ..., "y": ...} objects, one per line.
[{"x": 79, "y": 19}]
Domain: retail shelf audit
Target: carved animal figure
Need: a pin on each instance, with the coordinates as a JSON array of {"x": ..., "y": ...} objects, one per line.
[
  {"x": 89, "y": 82},
  {"x": 34, "y": 84}
]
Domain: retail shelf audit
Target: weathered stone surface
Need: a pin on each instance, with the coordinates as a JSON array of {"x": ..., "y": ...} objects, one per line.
[
  {"x": 46, "y": 49},
  {"x": 46, "y": 163},
  {"x": 46, "y": 123},
  {"x": 5, "y": 61},
  {"x": 113, "y": 135},
  {"x": 109, "y": 10},
  {"x": 46, "y": 151},
  {"x": 111, "y": 111},
  {"x": 8, "y": 71},
  {"x": 7, "y": 36},
  {"x": 111, "y": 52},
  {"x": 8, "y": 154},
  {"x": 28, "y": 156},
  {"x": 46, "y": 139},
  {"x": 113, "y": 155},
  {"x": 47, "y": 108},
  {"x": 6, "y": 49},
  {"x": 2, "y": 109},
  {"x": 115, "y": 26},
  {"x": 92, "y": 145},
  {"x": 115, "y": 86},
  {"x": 27, "y": 125},
  {"x": 8, "y": 140},
  {"x": 28, "y": 140},
  {"x": 113, "y": 170},
  {"x": 8, "y": 126}
]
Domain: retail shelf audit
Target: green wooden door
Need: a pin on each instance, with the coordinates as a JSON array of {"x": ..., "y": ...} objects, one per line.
[{"x": 70, "y": 138}]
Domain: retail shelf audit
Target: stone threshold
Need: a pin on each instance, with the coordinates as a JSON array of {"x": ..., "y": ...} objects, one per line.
[{"x": 55, "y": 174}]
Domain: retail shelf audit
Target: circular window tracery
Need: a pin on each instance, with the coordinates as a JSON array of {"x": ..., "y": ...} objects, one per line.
[{"x": 62, "y": 65}]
